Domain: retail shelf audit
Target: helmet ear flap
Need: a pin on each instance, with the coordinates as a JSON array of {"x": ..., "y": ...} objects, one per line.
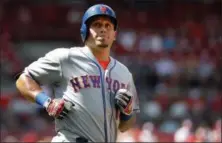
[{"x": 83, "y": 32}]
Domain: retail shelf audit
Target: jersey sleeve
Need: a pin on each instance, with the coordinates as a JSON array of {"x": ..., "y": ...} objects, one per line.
[
  {"x": 132, "y": 89},
  {"x": 48, "y": 69}
]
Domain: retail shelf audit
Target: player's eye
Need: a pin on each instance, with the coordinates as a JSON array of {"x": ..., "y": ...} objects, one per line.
[
  {"x": 108, "y": 26},
  {"x": 97, "y": 24}
]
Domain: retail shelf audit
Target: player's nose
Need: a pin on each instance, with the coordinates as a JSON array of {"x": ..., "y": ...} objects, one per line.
[{"x": 103, "y": 29}]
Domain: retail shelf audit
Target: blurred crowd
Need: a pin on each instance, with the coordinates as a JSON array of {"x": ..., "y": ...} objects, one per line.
[
  {"x": 174, "y": 51},
  {"x": 185, "y": 133}
]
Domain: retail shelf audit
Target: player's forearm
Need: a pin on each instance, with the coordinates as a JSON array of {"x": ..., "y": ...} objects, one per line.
[
  {"x": 125, "y": 125},
  {"x": 28, "y": 87}
]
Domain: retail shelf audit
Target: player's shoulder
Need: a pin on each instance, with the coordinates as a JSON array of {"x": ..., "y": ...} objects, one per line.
[
  {"x": 64, "y": 52},
  {"x": 76, "y": 50},
  {"x": 123, "y": 67},
  {"x": 59, "y": 51},
  {"x": 66, "y": 49}
]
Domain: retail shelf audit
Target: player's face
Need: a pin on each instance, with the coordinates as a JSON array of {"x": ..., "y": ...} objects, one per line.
[{"x": 102, "y": 33}]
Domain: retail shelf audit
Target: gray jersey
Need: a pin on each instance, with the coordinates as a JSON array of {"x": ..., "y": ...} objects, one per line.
[{"x": 77, "y": 76}]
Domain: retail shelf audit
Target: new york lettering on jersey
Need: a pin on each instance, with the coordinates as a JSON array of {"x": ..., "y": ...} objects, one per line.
[{"x": 93, "y": 81}]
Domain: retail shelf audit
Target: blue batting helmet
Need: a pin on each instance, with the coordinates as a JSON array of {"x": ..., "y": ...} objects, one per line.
[{"x": 96, "y": 10}]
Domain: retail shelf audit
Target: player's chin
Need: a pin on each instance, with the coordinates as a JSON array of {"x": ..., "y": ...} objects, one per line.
[{"x": 102, "y": 45}]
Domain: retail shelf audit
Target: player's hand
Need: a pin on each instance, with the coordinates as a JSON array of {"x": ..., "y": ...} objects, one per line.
[
  {"x": 59, "y": 108},
  {"x": 124, "y": 100}
]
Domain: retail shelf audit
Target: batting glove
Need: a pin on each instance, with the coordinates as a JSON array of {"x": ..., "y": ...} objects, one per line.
[
  {"x": 58, "y": 108},
  {"x": 124, "y": 101}
]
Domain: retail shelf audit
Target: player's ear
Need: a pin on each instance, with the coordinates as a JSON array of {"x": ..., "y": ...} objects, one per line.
[{"x": 115, "y": 35}]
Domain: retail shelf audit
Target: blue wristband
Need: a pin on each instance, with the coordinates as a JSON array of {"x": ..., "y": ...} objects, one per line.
[
  {"x": 42, "y": 99},
  {"x": 124, "y": 117}
]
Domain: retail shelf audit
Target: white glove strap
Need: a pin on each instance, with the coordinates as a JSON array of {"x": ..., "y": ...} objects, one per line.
[{"x": 46, "y": 104}]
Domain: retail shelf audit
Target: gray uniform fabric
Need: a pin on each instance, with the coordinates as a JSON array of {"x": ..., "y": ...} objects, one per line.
[{"x": 77, "y": 76}]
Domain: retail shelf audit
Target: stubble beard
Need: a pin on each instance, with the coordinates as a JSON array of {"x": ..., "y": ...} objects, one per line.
[{"x": 103, "y": 46}]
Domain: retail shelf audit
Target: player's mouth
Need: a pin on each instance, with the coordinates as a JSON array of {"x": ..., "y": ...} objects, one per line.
[{"x": 101, "y": 38}]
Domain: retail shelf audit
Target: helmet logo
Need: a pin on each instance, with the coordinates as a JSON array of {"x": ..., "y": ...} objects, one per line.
[{"x": 103, "y": 9}]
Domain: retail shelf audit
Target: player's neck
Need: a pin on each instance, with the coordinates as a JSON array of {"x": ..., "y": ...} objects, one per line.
[{"x": 101, "y": 54}]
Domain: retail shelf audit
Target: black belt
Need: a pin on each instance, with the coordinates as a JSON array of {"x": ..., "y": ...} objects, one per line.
[{"x": 81, "y": 140}]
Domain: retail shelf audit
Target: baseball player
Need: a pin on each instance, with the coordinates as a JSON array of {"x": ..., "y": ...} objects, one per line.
[{"x": 95, "y": 95}]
